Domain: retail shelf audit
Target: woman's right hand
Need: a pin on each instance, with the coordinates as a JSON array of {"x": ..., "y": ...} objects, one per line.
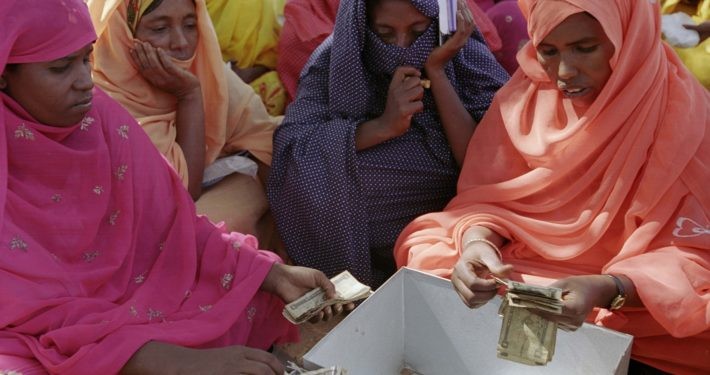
[
  {"x": 158, "y": 69},
  {"x": 161, "y": 358},
  {"x": 478, "y": 260},
  {"x": 404, "y": 99}
]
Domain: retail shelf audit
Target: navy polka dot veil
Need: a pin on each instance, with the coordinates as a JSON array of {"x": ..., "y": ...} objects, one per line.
[{"x": 337, "y": 208}]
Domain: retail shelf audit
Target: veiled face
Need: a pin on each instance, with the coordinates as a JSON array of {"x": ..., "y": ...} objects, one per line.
[
  {"x": 171, "y": 26},
  {"x": 576, "y": 56},
  {"x": 397, "y": 22},
  {"x": 56, "y": 93}
]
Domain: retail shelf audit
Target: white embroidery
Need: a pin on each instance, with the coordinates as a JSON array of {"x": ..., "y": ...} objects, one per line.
[
  {"x": 121, "y": 172},
  {"x": 227, "y": 280},
  {"x": 114, "y": 216},
  {"x": 86, "y": 122},
  {"x": 251, "y": 312},
  {"x": 123, "y": 131},
  {"x": 133, "y": 311},
  {"x": 18, "y": 244},
  {"x": 23, "y": 131},
  {"x": 90, "y": 256},
  {"x": 98, "y": 190},
  {"x": 57, "y": 198},
  {"x": 139, "y": 279},
  {"x": 10, "y": 372},
  {"x": 155, "y": 314},
  {"x": 686, "y": 227},
  {"x": 205, "y": 308},
  {"x": 236, "y": 245}
]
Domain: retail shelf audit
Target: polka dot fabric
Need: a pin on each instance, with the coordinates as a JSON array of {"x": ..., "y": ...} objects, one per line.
[{"x": 337, "y": 208}]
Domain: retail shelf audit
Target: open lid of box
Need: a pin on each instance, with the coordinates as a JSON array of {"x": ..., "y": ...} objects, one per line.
[{"x": 417, "y": 320}]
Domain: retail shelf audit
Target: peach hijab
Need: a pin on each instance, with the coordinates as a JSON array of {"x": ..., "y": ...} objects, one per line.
[
  {"x": 115, "y": 73},
  {"x": 616, "y": 188}
]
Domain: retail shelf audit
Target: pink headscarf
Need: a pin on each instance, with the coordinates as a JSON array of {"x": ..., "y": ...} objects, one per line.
[{"x": 101, "y": 248}]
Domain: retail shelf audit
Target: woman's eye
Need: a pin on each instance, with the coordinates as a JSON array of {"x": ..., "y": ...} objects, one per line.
[
  {"x": 588, "y": 49},
  {"x": 59, "y": 69},
  {"x": 159, "y": 29},
  {"x": 547, "y": 52},
  {"x": 418, "y": 33}
]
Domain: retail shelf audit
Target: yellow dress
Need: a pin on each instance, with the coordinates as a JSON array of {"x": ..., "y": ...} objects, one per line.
[
  {"x": 697, "y": 58},
  {"x": 248, "y": 33}
]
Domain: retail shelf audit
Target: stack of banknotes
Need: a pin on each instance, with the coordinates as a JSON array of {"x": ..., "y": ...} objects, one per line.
[
  {"x": 347, "y": 289},
  {"x": 526, "y": 337},
  {"x": 294, "y": 369}
]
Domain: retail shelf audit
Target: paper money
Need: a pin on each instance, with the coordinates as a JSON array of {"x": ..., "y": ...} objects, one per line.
[
  {"x": 294, "y": 369},
  {"x": 347, "y": 289},
  {"x": 524, "y": 336}
]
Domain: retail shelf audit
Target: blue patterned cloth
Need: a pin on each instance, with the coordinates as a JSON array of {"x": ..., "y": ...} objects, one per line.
[{"x": 337, "y": 208}]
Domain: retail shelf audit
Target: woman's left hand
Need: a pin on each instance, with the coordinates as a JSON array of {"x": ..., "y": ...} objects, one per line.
[
  {"x": 580, "y": 295},
  {"x": 291, "y": 282},
  {"x": 464, "y": 28}
]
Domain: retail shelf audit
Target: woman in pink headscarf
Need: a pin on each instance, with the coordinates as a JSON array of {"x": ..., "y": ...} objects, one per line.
[
  {"x": 590, "y": 173},
  {"x": 104, "y": 265}
]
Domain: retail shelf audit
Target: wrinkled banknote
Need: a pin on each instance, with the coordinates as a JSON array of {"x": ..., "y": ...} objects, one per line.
[
  {"x": 294, "y": 369},
  {"x": 524, "y": 336},
  {"x": 347, "y": 289}
]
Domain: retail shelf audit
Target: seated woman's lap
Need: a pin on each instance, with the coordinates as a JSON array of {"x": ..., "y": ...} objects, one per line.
[{"x": 238, "y": 200}]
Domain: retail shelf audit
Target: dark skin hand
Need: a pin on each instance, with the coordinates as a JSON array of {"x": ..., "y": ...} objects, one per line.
[
  {"x": 404, "y": 99},
  {"x": 703, "y": 30},
  {"x": 457, "y": 121},
  {"x": 287, "y": 282},
  {"x": 580, "y": 294},
  {"x": 248, "y": 75}
]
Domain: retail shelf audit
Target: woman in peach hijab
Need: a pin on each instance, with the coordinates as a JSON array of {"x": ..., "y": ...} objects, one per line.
[
  {"x": 161, "y": 60},
  {"x": 589, "y": 172}
]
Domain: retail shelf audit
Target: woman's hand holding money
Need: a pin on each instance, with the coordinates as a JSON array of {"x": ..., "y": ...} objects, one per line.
[
  {"x": 291, "y": 282},
  {"x": 478, "y": 260}
]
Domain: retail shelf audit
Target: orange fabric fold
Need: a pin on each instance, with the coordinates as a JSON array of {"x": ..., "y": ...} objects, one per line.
[
  {"x": 235, "y": 118},
  {"x": 620, "y": 187}
]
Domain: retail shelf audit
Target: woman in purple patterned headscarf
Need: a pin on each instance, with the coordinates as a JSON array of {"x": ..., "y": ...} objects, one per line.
[{"x": 365, "y": 148}]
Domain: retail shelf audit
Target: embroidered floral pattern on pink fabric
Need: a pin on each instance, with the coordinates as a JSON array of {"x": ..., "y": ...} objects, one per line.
[
  {"x": 23, "y": 132},
  {"x": 90, "y": 256},
  {"x": 18, "y": 244},
  {"x": 86, "y": 123},
  {"x": 227, "y": 281},
  {"x": 113, "y": 217},
  {"x": 123, "y": 131},
  {"x": 121, "y": 172}
]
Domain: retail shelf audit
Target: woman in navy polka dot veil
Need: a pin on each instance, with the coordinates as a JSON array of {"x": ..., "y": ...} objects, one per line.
[{"x": 377, "y": 132}]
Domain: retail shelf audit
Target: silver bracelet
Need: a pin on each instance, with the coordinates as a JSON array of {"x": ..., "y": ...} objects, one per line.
[{"x": 489, "y": 243}]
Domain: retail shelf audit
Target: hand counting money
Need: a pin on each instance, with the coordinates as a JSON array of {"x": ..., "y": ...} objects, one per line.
[{"x": 347, "y": 289}]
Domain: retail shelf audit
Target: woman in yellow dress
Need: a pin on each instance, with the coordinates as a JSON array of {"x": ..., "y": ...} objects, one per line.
[
  {"x": 248, "y": 34},
  {"x": 697, "y": 58}
]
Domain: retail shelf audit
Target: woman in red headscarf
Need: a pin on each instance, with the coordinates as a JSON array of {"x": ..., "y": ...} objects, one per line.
[
  {"x": 104, "y": 265},
  {"x": 589, "y": 172}
]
